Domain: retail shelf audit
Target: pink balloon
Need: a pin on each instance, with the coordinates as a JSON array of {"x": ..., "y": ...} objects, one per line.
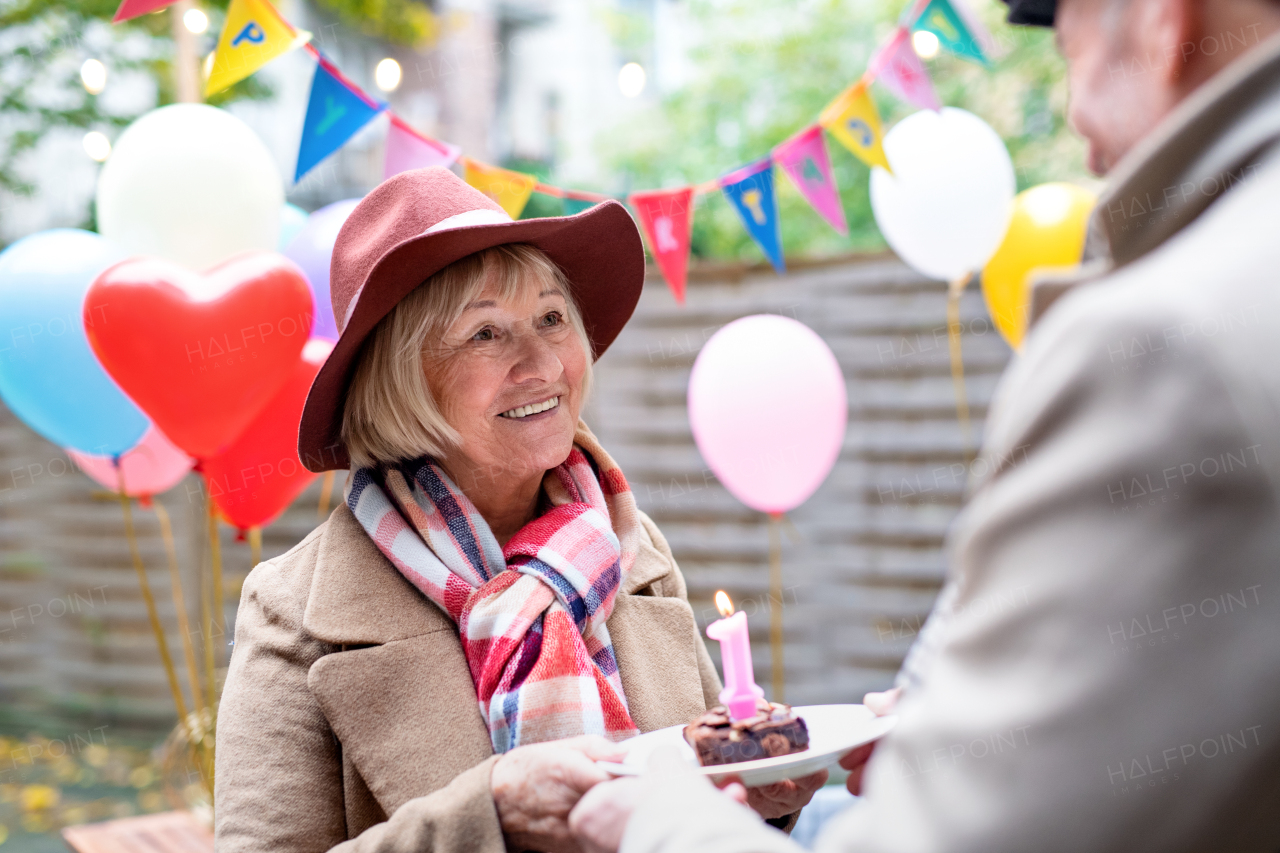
[
  {"x": 151, "y": 466},
  {"x": 768, "y": 410}
]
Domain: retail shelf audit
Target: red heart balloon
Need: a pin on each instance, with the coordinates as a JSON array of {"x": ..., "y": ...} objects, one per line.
[
  {"x": 259, "y": 474},
  {"x": 200, "y": 353}
]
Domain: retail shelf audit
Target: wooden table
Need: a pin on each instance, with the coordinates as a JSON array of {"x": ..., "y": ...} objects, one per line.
[{"x": 167, "y": 832}]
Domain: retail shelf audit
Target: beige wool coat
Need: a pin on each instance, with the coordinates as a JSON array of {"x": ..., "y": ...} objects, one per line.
[
  {"x": 349, "y": 721},
  {"x": 1102, "y": 670}
]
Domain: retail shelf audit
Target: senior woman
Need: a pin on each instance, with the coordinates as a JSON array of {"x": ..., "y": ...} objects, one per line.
[{"x": 438, "y": 666}]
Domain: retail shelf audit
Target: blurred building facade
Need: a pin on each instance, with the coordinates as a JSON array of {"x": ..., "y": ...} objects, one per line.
[{"x": 532, "y": 83}]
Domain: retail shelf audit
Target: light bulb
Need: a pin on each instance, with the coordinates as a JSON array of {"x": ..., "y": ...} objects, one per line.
[
  {"x": 387, "y": 74},
  {"x": 93, "y": 74},
  {"x": 196, "y": 21},
  {"x": 97, "y": 146},
  {"x": 925, "y": 43},
  {"x": 631, "y": 79}
]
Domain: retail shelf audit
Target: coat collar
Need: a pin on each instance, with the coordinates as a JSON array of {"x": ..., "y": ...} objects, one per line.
[
  {"x": 359, "y": 598},
  {"x": 1209, "y": 143},
  {"x": 1213, "y": 140}
]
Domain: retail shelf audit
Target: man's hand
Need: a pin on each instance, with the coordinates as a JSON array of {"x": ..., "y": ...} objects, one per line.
[
  {"x": 881, "y": 704},
  {"x": 780, "y": 798},
  {"x": 600, "y": 817},
  {"x": 534, "y": 787}
]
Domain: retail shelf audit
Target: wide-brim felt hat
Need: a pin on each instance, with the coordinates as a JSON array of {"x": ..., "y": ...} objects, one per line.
[{"x": 417, "y": 223}]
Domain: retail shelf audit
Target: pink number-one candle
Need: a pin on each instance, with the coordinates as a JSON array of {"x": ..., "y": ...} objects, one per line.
[{"x": 740, "y": 689}]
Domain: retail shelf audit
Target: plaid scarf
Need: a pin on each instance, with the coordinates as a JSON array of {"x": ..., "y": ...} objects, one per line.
[{"x": 535, "y": 636}]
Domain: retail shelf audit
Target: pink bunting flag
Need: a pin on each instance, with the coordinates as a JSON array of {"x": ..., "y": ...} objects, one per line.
[
  {"x": 667, "y": 217},
  {"x": 408, "y": 149},
  {"x": 897, "y": 67},
  {"x": 804, "y": 159},
  {"x": 133, "y": 8}
]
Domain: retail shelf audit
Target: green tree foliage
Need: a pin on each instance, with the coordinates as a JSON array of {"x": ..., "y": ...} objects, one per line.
[
  {"x": 43, "y": 44},
  {"x": 765, "y": 70},
  {"x": 401, "y": 21}
]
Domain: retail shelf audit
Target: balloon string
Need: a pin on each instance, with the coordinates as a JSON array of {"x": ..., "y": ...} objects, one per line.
[
  {"x": 954, "y": 291},
  {"x": 326, "y": 490},
  {"x": 180, "y": 604},
  {"x": 255, "y": 546},
  {"x": 203, "y": 713},
  {"x": 145, "y": 585},
  {"x": 215, "y": 571},
  {"x": 775, "y": 607},
  {"x": 793, "y": 533}
]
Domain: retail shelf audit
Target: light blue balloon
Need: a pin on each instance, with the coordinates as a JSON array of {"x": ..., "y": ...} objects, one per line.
[
  {"x": 49, "y": 376},
  {"x": 292, "y": 220}
]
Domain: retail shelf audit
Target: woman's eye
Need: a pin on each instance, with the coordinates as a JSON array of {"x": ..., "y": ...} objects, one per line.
[
  {"x": 552, "y": 319},
  {"x": 485, "y": 334}
]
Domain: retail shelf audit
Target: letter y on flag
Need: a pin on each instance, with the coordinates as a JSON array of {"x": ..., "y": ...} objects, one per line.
[
  {"x": 336, "y": 109},
  {"x": 750, "y": 190}
]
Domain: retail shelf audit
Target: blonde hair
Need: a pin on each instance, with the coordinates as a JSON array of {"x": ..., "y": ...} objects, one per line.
[{"x": 390, "y": 413}]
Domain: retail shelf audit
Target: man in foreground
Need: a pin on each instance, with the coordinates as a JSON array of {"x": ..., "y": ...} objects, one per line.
[{"x": 1131, "y": 701}]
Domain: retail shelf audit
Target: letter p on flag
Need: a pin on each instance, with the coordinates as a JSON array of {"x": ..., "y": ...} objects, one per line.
[{"x": 253, "y": 35}]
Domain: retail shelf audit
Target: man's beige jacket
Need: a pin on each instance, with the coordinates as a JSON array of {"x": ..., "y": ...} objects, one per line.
[
  {"x": 349, "y": 720},
  {"x": 1102, "y": 672}
]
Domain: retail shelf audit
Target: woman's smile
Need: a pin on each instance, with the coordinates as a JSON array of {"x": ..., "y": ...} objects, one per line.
[{"x": 533, "y": 411}]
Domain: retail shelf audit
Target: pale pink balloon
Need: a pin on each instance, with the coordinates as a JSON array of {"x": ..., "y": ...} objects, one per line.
[
  {"x": 151, "y": 466},
  {"x": 768, "y": 410}
]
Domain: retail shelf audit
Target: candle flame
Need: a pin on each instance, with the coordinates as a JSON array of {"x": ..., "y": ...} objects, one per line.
[{"x": 724, "y": 603}]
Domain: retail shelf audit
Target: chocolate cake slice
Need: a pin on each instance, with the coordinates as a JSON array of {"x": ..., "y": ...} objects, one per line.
[{"x": 773, "y": 731}]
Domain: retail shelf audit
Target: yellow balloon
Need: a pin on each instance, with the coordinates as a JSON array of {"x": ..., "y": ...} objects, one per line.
[{"x": 1047, "y": 230}]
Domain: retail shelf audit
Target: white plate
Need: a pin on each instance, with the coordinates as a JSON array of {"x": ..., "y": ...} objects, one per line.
[{"x": 834, "y": 731}]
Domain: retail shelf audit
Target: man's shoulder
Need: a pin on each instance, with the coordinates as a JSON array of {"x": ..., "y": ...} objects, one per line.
[
  {"x": 1219, "y": 272},
  {"x": 1211, "y": 293}
]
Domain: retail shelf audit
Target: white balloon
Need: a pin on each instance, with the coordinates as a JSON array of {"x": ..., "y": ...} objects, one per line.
[
  {"x": 946, "y": 206},
  {"x": 192, "y": 184}
]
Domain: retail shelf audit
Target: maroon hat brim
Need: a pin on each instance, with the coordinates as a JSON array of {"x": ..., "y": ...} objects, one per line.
[{"x": 599, "y": 251}]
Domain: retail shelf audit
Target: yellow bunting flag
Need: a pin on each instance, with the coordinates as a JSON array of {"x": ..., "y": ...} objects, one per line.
[
  {"x": 852, "y": 119},
  {"x": 253, "y": 35},
  {"x": 509, "y": 189}
]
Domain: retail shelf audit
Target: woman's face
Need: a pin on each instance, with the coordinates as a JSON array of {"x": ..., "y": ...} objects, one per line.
[{"x": 509, "y": 378}]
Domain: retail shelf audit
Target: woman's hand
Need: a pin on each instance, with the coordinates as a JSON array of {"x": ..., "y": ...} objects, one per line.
[
  {"x": 881, "y": 704},
  {"x": 779, "y": 799},
  {"x": 534, "y": 787}
]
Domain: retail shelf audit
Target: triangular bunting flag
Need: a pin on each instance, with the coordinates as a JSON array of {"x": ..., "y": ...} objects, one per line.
[
  {"x": 407, "y": 149},
  {"x": 804, "y": 160},
  {"x": 750, "y": 189},
  {"x": 336, "y": 109},
  {"x": 852, "y": 118},
  {"x": 945, "y": 21},
  {"x": 511, "y": 190},
  {"x": 133, "y": 8},
  {"x": 898, "y": 68},
  {"x": 253, "y": 35},
  {"x": 667, "y": 218}
]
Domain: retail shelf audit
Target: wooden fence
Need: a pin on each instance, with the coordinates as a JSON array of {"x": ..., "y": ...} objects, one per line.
[{"x": 860, "y": 572}]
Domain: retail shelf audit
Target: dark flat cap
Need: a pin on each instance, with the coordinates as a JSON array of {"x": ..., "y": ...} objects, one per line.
[{"x": 1035, "y": 13}]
